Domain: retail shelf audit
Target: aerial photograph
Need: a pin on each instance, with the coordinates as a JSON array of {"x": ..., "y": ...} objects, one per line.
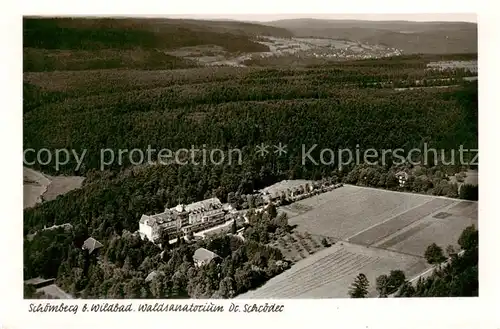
[{"x": 249, "y": 158}]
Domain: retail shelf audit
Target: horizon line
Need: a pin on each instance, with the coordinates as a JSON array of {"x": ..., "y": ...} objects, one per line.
[{"x": 263, "y": 18}]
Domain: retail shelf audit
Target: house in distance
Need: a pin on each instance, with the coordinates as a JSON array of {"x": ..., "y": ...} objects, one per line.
[
  {"x": 402, "y": 178},
  {"x": 92, "y": 245}
]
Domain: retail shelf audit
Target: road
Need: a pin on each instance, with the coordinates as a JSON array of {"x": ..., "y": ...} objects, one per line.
[{"x": 55, "y": 292}]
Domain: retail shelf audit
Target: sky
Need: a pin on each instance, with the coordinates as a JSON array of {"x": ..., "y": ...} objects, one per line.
[{"x": 455, "y": 17}]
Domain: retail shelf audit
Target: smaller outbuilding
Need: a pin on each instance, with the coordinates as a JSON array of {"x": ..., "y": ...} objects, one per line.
[
  {"x": 203, "y": 256},
  {"x": 91, "y": 245}
]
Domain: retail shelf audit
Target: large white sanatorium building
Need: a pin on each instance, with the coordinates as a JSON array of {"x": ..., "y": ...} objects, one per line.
[{"x": 182, "y": 218}]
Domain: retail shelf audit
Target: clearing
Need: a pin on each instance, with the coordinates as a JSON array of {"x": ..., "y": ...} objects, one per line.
[
  {"x": 374, "y": 231},
  {"x": 39, "y": 187},
  {"x": 60, "y": 185},
  {"x": 348, "y": 210}
]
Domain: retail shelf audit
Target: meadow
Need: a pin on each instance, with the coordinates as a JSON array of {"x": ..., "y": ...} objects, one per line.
[{"x": 394, "y": 230}]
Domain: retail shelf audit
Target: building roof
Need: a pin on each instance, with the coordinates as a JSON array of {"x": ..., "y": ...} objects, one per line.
[
  {"x": 158, "y": 219},
  {"x": 165, "y": 216},
  {"x": 179, "y": 211},
  {"x": 153, "y": 275},
  {"x": 202, "y": 254},
  {"x": 66, "y": 226},
  {"x": 227, "y": 207},
  {"x": 144, "y": 219},
  {"x": 403, "y": 174},
  {"x": 91, "y": 244}
]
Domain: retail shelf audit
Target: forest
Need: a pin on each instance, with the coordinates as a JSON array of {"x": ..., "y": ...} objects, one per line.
[
  {"x": 54, "y": 44},
  {"x": 337, "y": 106},
  {"x": 334, "y": 107}
]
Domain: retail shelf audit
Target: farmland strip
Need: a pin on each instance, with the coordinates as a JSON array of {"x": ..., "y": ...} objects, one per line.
[
  {"x": 399, "y": 222},
  {"x": 320, "y": 280},
  {"x": 340, "y": 275},
  {"x": 329, "y": 259},
  {"x": 304, "y": 277},
  {"x": 403, "y": 236}
]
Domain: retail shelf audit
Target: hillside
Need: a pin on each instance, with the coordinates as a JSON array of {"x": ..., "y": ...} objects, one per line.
[
  {"x": 70, "y": 44},
  {"x": 410, "y": 37},
  {"x": 227, "y": 26},
  {"x": 52, "y": 44}
]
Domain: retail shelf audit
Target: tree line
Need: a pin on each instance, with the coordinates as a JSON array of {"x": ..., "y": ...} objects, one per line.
[{"x": 456, "y": 278}]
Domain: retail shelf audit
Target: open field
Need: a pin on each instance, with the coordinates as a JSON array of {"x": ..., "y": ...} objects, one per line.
[
  {"x": 343, "y": 212},
  {"x": 385, "y": 231},
  {"x": 443, "y": 231},
  {"x": 329, "y": 273},
  {"x": 277, "y": 48},
  {"x": 398, "y": 222}
]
